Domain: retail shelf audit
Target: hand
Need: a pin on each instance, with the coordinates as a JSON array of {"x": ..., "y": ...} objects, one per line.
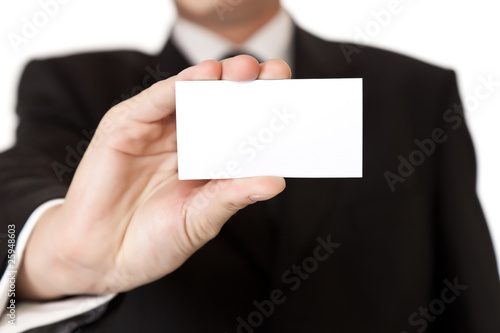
[{"x": 127, "y": 220}]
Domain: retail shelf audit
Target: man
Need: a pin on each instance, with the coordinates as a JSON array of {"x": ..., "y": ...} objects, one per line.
[{"x": 406, "y": 248}]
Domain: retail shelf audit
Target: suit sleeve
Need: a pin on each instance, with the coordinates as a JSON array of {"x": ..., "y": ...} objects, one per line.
[
  {"x": 464, "y": 243},
  {"x": 54, "y": 131},
  {"x": 41, "y": 164}
]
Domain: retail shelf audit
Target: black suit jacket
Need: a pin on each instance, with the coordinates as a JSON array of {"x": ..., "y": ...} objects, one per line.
[{"x": 412, "y": 258}]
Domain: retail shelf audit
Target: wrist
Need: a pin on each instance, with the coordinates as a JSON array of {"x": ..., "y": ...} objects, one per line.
[{"x": 46, "y": 271}]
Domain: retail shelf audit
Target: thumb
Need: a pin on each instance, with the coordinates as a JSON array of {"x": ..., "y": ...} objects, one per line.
[{"x": 219, "y": 199}]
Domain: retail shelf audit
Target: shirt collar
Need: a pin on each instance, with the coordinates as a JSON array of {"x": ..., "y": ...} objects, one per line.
[{"x": 274, "y": 40}]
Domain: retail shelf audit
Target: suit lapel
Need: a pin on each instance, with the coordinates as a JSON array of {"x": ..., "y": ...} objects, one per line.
[
  {"x": 310, "y": 208},
  {"x": 317, "y": 58},
  {"x": 171, "y": 60}
]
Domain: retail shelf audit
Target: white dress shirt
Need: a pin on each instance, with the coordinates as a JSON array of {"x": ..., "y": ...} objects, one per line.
[{"x": 274, "y": 40}]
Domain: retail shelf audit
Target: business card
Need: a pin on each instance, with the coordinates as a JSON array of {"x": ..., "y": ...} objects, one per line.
[{"x": 308, "y": 128}]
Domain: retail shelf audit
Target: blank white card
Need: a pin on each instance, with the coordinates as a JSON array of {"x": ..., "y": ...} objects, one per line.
[{"x": 309, "y": 128}]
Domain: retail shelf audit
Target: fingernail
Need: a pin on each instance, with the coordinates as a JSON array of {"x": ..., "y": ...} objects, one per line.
[{"x": 260, "y": 197}]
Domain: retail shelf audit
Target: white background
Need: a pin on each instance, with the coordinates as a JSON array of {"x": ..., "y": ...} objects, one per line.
[{"x": 462, "y": 35}]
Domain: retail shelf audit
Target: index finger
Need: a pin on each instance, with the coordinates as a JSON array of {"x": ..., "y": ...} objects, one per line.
[{"x": 158, "y": 101}]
